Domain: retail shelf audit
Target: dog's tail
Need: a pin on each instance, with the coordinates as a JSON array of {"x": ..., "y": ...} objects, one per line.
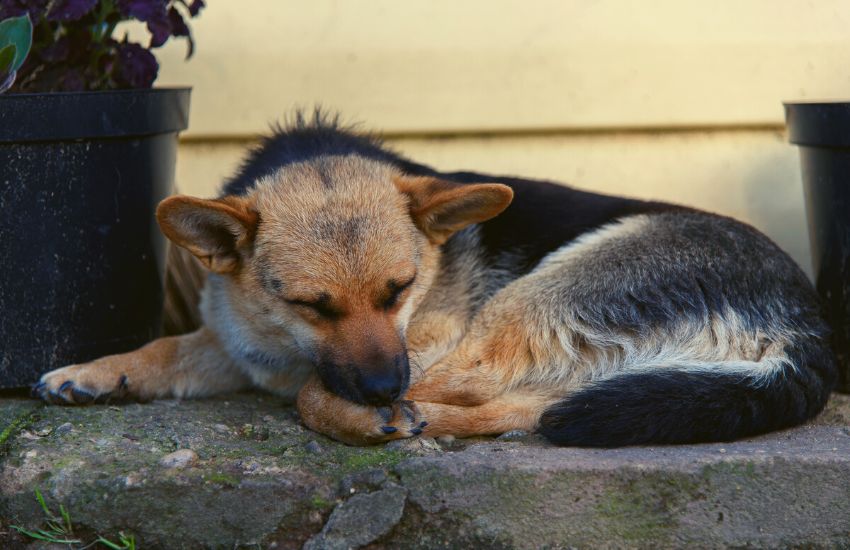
[{"x": 696, "y": 402}]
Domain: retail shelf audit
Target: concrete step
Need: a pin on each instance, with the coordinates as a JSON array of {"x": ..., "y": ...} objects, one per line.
[{"x": 241, "y": 472}]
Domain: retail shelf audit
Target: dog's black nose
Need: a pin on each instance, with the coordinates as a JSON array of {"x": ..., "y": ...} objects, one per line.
[{"x": 380, "y": 389}]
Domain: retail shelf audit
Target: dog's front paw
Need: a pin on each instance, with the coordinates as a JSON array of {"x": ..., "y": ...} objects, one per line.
[
  {"x": 402, "y": 419},
  {"x": 81, "y": 385},
  {"x": 353, "y": 423}
]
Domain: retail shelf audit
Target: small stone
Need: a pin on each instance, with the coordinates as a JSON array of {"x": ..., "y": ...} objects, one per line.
[
  {"x": 369, "y": 480},
  {"x": 723, "y": 450},
  {"x": 179, "y": 459},
  {"x": 360, "y": 520},
  {"x": 268, "y": 418},
  {"x": 221, "y": 428},
  {"x": 65, "y": 428},
  {"x": 416, "y": 445},
  {"x": 512, "y": 435},
  {"x": 313, "y": 447},
  {"x": 133, "y": 480}
]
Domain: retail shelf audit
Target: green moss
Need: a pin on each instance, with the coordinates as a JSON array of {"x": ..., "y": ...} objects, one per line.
[
  {"x": 745, "y": 470},
  {"x": 320, "y": 503},
  {"x": 371, "y": 457},
  {"x": 222, "y": 478},
  {"x": 17, "y": 424},
  {"x": 645, "y": 509}
]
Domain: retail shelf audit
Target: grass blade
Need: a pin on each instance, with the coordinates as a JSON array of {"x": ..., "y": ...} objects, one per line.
[
  {"x": 44, "y": 507},
  {"x": 42, "y": 535},
  {"x": 67, "y": 518},
  {"x": 109, "y": 544}
]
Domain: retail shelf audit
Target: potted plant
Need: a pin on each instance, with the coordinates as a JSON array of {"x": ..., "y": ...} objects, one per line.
[
  {"x": 87, "y": 150},
  {"x": 822, "y": 131}
]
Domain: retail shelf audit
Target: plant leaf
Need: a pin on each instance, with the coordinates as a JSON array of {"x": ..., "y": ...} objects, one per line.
[
  {"x": 6, "y": 81},
  {"x": 7, "y": 57},
  {"x": 18, "y": 32}
]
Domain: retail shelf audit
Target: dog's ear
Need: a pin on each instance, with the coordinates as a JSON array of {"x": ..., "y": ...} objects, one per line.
[
  {"x": 214, "y": 230},
  {"x": 440, "y": 208}
]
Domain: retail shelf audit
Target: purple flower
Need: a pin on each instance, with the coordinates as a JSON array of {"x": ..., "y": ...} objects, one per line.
[
  {"x": 15, "y": 8},
  {"x": 178, "y": 25},
  {"x": 69, "y": 10},
  {"x": 180, "y": 28},
  {"x": 195, "y": 7},
  {"x": 73, "y": 46},
  {"x": 152, "y": 12},
  {"x": 160, "y": 29},
  {"x": 143, "y": 10},
  {"x": 137, "y": 67}
]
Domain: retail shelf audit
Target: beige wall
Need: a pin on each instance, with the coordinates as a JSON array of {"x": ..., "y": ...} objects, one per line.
[{"x": 669, "y": 99}]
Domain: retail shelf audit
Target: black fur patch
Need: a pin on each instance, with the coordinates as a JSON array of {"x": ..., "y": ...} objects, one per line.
[
  {"x": 544, "y": 216},
  {"x": 670, "y": 406},
  {"x": 307, "y": 138}
]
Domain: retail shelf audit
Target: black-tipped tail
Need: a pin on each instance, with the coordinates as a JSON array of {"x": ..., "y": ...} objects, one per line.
[{"x": 680, "y": 406}]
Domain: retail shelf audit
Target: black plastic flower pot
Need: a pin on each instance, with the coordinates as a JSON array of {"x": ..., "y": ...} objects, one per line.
[
  {"x": 822, "y": 131},
  {"x": 83, "y": 260}
]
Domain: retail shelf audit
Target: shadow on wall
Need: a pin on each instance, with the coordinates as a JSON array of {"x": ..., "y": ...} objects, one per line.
[{"x": 774, "y": 203}]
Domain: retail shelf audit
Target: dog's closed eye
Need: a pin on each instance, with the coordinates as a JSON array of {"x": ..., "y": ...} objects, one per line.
[
  {"x": 319, "y": 305},
  {"x": 395, "y": 292}
]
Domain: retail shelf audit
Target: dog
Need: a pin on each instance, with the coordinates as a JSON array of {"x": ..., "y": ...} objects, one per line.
[{"x": 391, "y": 300}]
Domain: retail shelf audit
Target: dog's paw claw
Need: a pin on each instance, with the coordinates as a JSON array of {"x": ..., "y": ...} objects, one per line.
[
  {"x": 56, "y": 398},
  {"x": 400, "y": 420},
  {"x": 408, "y": 408},
  {"x": 81, "y": 396},
  {"x": 37, "y": 390},
  {"x": 123, "y": 383},
  {"x": 65, "y": 385}
]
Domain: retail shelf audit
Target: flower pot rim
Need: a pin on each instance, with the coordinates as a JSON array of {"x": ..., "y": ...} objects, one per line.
[
  {"x": 101, "y": 114},
  {"x": 818, "y": 123},
  {"x": 818, "y": 102},
  {"x": 127, "y": 91}
]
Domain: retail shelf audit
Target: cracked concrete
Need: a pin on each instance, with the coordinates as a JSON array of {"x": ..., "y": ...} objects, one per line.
[{"x": 241, "y": 472}]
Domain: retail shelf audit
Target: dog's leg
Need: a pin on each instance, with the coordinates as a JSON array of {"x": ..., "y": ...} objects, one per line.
[
  {"x": 517, "y": 410},
  {"x": 483, "y": 366},
  {"x": 192, "y": 365},
  {"x": 355, "y": 424},
  {"x": 520, "y": 338}
]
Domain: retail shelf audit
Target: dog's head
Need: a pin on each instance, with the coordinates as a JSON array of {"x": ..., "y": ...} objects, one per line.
[{"x": 333, "y": 255}]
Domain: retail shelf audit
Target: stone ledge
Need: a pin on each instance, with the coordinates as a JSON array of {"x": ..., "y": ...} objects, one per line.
[{"x": 255, "y": 476}]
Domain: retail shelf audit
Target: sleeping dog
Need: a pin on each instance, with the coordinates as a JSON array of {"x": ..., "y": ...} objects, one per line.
[{"x": 391, "y": 300}]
